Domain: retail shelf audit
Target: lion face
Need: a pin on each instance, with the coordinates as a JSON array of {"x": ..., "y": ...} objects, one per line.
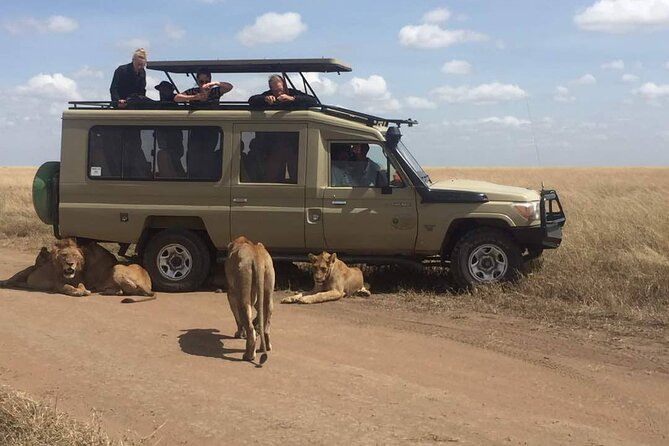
[
  {"x": 67, "y": 259},
  {"x": 321, "y": 266}
]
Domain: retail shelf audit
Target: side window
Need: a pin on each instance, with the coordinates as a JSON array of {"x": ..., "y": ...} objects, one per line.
[
  {"x": 361, "y": 165},
  {"x": 269, "y": 157},
  {"x": 156, "y": 153}
]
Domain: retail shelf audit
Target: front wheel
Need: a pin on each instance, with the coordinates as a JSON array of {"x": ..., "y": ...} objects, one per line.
[
  {"x": 177, "y": 260},
  {"x": 483, "y": 256}
]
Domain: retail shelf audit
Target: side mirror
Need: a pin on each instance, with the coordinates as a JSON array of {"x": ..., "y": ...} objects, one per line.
[{"x": 387, "y": 190}]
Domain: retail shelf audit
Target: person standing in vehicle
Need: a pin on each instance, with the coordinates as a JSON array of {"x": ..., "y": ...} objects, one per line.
[
  {"x": 129, "y": 80},
  {"x": 279, "y": 95},
  {"x": 206, "y": 91}
]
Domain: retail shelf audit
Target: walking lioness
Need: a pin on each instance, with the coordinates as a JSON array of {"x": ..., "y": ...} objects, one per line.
[
  {"x": 250, "y": 274},
  {"x": 332, "y": 281}
]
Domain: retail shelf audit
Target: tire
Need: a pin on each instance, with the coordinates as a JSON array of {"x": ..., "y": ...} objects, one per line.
[
  {"x": 177, "y": 260},
  {"x": 484, "y": 256}
]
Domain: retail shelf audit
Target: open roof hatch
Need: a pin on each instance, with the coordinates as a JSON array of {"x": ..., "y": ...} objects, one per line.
[{"x": 282, "y": 66}]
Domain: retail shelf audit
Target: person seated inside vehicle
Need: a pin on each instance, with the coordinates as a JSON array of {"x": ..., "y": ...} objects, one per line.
[
  {"x": 279, "y": 96},
  {"x": 169, "y": 140},
  {"x": 366, "y": 173},
  {"x": 281, "y": 161},
  {"x": 206, "y": 90},
  {"x": 341, "y": 167}
]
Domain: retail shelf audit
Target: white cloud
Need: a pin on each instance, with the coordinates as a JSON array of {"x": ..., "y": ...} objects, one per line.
[
  {"x": 373, "y": 92},
  {"x": 151, "y": 91},
  {"x": 419, "y": 103},
  {"x": 433, "y": 36},
  {"x": 87, "y": 71},
  {"x": 562, "y": 94},
  {"x": 134, "y": 43},
  {"x": 503, "y": 121},
  {"x": 272, "y": 28},
  {"x": 484, "y": 93},
  {"x": 54, "y": 24},
  {"x": 614, "y": 65},
  {"x": 630, "y": 78},
  {"x": 666, "y": 65},
  {"x": 61, "y": 24},
  {"x": 457, "y": 67},
  {"x": 174, "y": 32},
  {"x": 617, "y": 16},
  {"x": 322, "y": 85},
  {"x": 586, "y": 79},
  {"x": 51, "y": 86},
  {"x": 653, "y": 92},
  {"x": 437, "y": 15}
]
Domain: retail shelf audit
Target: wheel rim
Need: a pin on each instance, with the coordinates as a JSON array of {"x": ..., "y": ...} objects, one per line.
[
  {"x": 174, "y": 262},
  {"x": 488, "y": 263}
]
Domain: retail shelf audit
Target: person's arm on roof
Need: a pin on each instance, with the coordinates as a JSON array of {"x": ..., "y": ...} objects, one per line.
[
  {"x": 303, "y": 100},
  {"x": 258, "y": 100},
  {"x": 192, "y": 94},
  {"x": 223, "y": 86}
]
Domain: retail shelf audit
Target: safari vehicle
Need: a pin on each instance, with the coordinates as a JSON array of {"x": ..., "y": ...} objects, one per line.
[{"x": 180, "y": 181}]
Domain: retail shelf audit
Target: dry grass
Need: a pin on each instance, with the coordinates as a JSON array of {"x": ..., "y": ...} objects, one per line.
[
  {"x": 25, "y": 422},
  {"x": 19, "y": 225},
  {"x": 612, "y": 270}
]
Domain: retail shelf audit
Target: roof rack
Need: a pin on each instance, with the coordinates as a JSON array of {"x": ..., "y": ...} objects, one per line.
[
  {"x": 322, "y": 65},
  {"x": 332, "y": 110}
]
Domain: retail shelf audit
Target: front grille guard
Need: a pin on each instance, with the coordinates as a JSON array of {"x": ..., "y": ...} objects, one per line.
[{"x": 551, "y": 209}]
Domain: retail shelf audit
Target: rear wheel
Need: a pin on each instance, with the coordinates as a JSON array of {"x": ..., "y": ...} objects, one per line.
[
  {"x": 483, "y": 256},
  {"x": 177, "y": 260}
]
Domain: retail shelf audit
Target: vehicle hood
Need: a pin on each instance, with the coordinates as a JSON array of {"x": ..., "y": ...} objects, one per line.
[{"x": 494, "y": 192}]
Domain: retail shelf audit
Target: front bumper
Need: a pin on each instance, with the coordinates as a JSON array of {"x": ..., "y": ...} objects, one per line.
[{"x": 549, "y": 234}]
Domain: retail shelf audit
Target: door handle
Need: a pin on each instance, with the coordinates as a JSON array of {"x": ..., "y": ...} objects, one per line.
[
  {"x": 239, "y": 200},
  {"x": 339, "y": 202}
]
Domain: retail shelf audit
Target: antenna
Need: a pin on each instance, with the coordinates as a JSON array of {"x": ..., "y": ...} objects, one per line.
[{"x": 534, "y": 136}]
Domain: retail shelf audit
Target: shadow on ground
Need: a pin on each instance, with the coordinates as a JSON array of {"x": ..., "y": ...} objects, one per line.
[{"x": 209, "y": 343}]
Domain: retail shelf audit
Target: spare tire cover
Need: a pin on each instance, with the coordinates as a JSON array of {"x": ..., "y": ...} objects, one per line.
[{"x": 44, "y": 188}]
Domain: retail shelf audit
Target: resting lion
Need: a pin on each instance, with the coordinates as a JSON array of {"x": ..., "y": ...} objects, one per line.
[
  {"x": 250, "y": 275},
  {"x": 77, "y": 270},
  {"x": 59, "y": 269},
  {"x": 332, "y": 281}
]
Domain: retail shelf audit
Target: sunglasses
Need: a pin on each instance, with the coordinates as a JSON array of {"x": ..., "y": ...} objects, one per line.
[{"x": 202, "y": 81}]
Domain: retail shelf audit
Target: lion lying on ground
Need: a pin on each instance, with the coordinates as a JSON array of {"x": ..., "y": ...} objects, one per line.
[
  {"x": 77, "y": 270},
  {"x": 250, "y": 275},
  {"x": 332, "y": 281},
  {"x": 59, "y": 269}
]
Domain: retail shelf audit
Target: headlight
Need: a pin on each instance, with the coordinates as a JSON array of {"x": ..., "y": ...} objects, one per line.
[{"x": 529, "y": 211}]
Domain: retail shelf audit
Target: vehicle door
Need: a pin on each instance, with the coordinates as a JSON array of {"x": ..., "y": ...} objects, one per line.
[
  {"x": 368, "y": 206},
  {"x": 268, "y": 185}
]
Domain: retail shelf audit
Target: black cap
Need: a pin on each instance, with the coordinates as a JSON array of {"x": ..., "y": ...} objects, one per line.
[{"x": 164, "y": 84}]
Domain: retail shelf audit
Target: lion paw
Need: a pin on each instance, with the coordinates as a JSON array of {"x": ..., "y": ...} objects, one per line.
[{"x": 292, "y": 299}]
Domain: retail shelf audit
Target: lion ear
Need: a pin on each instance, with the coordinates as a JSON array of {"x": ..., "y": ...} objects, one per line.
[
  {"x": 312, "y": 258},
  {"x": 333, "y": 258}
]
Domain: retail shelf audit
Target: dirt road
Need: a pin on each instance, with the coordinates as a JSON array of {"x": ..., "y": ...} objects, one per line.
[{"x": 340, "y": 373}]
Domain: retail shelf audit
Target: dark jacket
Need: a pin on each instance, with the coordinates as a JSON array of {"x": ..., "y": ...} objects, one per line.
[
  {"x": 301, "y": 100},
  {"x": 127, "y": 83}
]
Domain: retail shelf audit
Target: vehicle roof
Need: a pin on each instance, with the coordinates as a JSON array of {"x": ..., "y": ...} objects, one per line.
[
  {"x": 189, "y": 117},
  {"x": 322, "y": 65}
]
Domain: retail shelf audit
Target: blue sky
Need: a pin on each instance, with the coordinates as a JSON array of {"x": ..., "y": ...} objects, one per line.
[{"x": 491, "y": 82}]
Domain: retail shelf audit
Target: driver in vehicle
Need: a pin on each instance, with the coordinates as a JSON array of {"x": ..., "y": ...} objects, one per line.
[{"x": 367, "y": 173}]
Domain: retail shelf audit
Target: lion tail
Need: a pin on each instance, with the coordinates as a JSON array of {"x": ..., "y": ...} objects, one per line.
[{"x": 259, "y": 289}]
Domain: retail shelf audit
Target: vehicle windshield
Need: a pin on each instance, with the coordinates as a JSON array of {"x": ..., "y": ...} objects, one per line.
[{"x": 408, "y": 157}]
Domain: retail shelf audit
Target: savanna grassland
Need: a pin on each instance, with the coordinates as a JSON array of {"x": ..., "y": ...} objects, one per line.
[{"x": 612, "y": 270}]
